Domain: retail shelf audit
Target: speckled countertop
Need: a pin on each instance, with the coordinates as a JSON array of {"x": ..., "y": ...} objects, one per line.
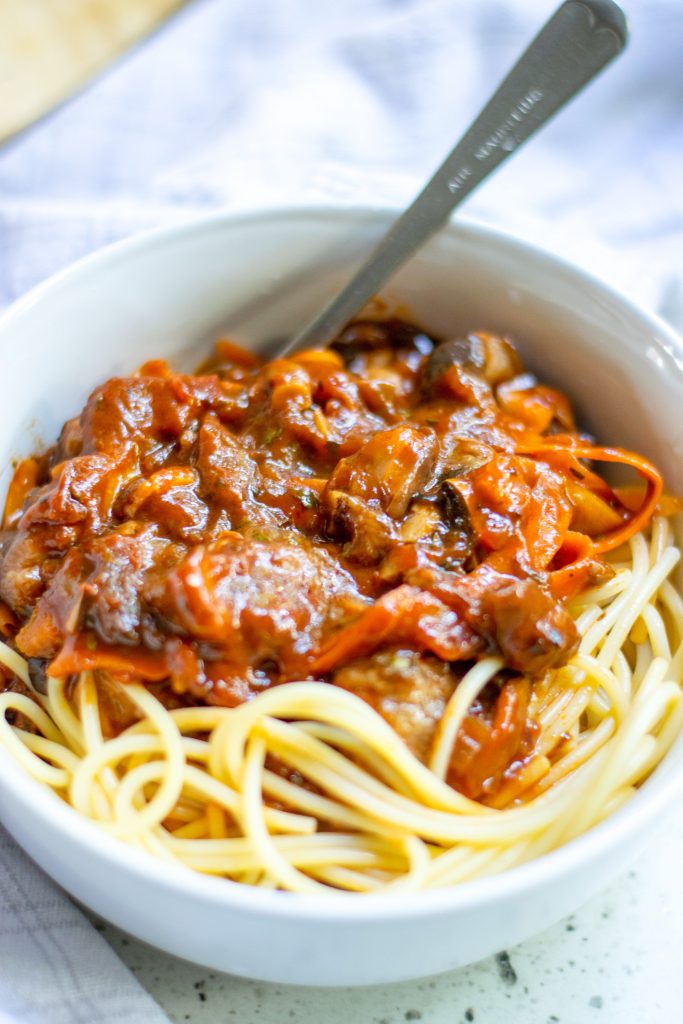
[{"x": 619, "y": 959}]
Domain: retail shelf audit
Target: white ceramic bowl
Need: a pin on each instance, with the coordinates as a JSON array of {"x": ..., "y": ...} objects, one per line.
[{"x": 261, "y": 275}]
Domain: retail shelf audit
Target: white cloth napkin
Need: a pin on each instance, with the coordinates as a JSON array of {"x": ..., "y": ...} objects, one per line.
[
  {"x": 54, "y": 966},
  {"x": 273, "y": 101}
]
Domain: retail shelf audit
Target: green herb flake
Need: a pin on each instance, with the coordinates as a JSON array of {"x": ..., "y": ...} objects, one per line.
[
  {"x": 271, "y": 434},
  {"x": 308, "y": 498},
  {"x": 400, "y": 663},
  {"x": 260, "y": 535}
]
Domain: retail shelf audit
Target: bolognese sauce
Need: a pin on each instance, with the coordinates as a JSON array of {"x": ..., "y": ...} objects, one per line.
[{"x": 378, "y": 515}]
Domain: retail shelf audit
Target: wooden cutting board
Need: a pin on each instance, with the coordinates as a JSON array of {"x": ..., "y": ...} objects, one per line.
[{"x": 50, "y": 48}]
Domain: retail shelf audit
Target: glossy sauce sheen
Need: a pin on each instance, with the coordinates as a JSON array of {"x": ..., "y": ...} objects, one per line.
[{"x": 377, "y": 515}]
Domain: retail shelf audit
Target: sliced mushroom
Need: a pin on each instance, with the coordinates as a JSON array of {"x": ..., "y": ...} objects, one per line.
[
  {"x": 487, "y": 355},
  {"x": 460, "y": 542},
  {"x": 368, "y": 532},
  {"x": 37, "y": 672},
  {"x": 453, "y": 504},
  {"x": 466, "y": 352},
  {"x": 467, "y": 456},
  {"x": 390, "y": 469},
  {"x": 502, "y": 359},
  {"x": 421, "y": 522},
  {"x": 369, "y": 335}
]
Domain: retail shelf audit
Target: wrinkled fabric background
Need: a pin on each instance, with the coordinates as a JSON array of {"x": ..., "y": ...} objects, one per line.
[
  {"x": 243, "y": 105},
  {"x": 250, "y": 104}
]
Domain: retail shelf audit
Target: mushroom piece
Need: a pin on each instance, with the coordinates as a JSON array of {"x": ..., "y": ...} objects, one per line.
[
  {"x": 454, "y": 506},
  {"x": 390, "y": 470},
  {"x": 461, "y": 539},
  {"x": 368, "y": 532},
  {"x": 466, "y": 456},
  {"x": 492, "y": 358},
  {"x": 364, "y": 336},
  {"x": 422, "y": 521}
]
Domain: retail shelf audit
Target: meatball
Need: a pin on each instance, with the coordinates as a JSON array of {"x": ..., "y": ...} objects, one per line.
[
  {"x": 255, "y": 601},
  {"x": 408, "y": 690}
]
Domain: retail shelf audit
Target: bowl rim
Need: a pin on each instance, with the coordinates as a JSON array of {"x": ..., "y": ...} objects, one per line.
[{"x": 658, "y": 792}]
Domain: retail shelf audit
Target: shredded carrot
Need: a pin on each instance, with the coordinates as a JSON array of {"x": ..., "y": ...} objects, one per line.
[
  {"x": 620, "y": 456},
  {"x": 360, "y": 636},
  {"x": 155, "y": 368},
  {"x": 575, "y": 565},
  {"x": 230, "y": 352},
  {"x": 631, "y": 497},
  {"x": 83, "y": 652}
]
